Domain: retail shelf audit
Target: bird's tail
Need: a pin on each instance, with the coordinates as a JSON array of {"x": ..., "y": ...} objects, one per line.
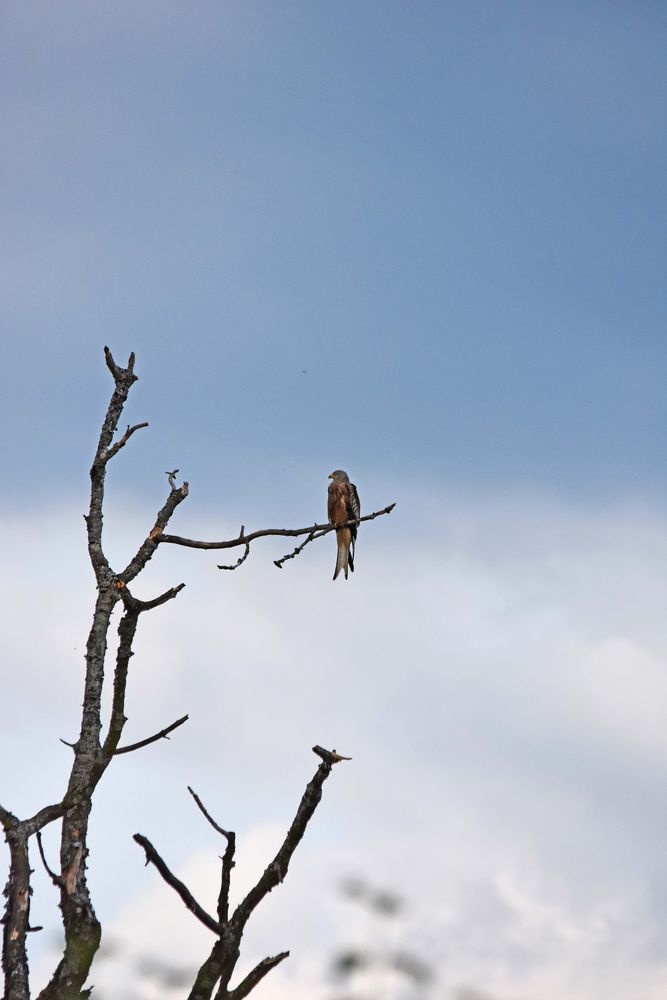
[{"x": 343, "y": 561}]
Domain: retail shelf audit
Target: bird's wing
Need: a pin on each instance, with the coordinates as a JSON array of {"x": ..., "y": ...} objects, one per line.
[{"x": 353, "y": 506}]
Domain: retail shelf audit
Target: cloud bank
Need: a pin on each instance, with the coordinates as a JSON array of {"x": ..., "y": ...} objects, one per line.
[{"x": 495, "y": 669}]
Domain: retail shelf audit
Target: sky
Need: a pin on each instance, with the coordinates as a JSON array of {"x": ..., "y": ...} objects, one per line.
[{"x": 425, "y": 243}]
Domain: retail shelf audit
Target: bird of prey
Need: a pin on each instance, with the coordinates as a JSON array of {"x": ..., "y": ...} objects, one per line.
[{"x": 344, "y": 506}]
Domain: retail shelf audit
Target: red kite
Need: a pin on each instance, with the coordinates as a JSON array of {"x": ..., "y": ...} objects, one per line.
[{"x": 344, "y": 506}]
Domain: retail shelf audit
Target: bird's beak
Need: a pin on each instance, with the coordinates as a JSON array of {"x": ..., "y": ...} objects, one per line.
[{"x": 330, "y": 476}]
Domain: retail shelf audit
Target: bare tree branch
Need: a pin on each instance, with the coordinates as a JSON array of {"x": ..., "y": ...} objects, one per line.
[
  {"x": 123, "y": 378},
  {"x": 115, "y": 448},
  {"x": 241, "y": 559},
  {"x": 313, "y": 532},
  {"x": 56, "y": 879},
  {"x": 277, "y": 870},
  {"x": 219, "y": 967},
  {"x": 126, "y": 632},
  {"x": 162, "y": 735},
  {"x": 134, "y": 605},
  {"x": 16, "y": 918},
  {"x": 6, "y": 817},
  {"x": 242, "y": 539},
  {"x": 115, "y": 370},
  {"x": 202, "y": 808},
  {"x": 45, "y": 816},
  {"x": 149, "y": 545},
  {"x": 127, "y": 628},
  {"x": 248, "y": 984},
  {"x": 209, "y": 973},
  {"x": 154, "y": 858},
  {"x": 227, "y": 861},
  {"x": 299, "y": 549}
]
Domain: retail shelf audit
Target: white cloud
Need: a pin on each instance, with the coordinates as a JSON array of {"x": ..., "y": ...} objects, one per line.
[{"x": 500, "y": 688}]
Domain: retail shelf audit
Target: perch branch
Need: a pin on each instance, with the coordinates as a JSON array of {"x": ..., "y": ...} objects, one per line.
[
  {"x": 318, "y": 530},
  {"x": 162, "y": 735},
  {"x": 154, "y": 858},
  {"x": 313, "y": 531}
]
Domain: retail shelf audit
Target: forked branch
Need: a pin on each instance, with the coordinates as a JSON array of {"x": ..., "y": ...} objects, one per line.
[
  {"x": 217, "y": 970},
  {"x": 115, "y": 448},
  {"x": 227, "y": 860}
]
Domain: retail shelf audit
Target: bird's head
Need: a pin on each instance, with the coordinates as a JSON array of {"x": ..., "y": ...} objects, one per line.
[{"x": 339, "y": 476}]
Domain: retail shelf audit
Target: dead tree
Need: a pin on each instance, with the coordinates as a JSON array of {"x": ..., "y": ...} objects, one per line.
[{"x": 94, "y": 751}]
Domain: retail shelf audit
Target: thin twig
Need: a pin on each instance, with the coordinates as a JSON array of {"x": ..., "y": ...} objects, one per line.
[
  {"x": 56, "y": 879},
  {"x": 240, "y": 560},
  {"x": 115, "y": 448},
  {"x": 318, "y": 530},
  {"x": 162, "y": 735},
  {"x": 227, "y": 860},
  {"x": 154, "y": 858},
  {"x": 311, "y": 538},
  {"x": 202, "y": 808}
]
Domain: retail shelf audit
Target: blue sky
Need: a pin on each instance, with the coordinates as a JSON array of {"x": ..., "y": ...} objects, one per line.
[
  {"x": 450, "y": 215},
  {"x": 424, "y": 242}
]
